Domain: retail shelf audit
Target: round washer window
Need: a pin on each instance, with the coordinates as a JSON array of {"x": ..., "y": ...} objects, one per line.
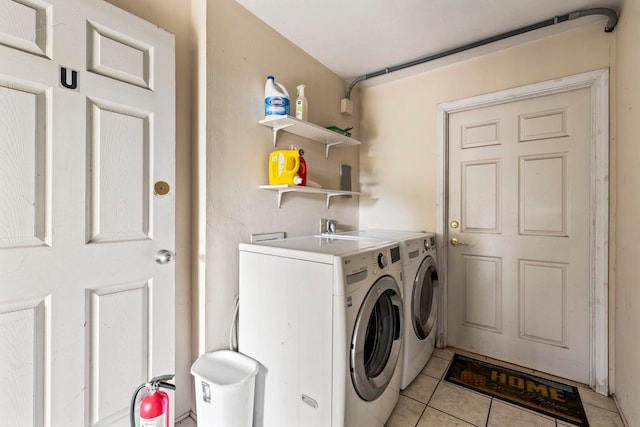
[
  {"x": 376, "y": 340},
  {"x": 424, "y": 306}
]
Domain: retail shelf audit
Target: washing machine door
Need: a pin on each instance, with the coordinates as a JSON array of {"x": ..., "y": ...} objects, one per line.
[
  {"x": 424, "y": 301},
  {"x": 376, "y": 340}
]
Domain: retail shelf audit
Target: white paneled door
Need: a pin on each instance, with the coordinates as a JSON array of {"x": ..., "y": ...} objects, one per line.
[
  {"x": 86, "y": 134},
  {"x": 518, "y": 232}
]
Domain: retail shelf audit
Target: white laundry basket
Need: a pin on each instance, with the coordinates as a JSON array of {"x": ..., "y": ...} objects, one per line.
[{"x": 225, "y": 384}]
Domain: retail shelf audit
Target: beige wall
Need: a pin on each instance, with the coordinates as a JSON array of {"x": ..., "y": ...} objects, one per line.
[
  {"x": 241, "y": 52},
  {"x": 398, "y": 156},
  {"x": 174, "y": 16},
  {"x": 627, "y": 170},
  {"x": 398, "y": 119}
]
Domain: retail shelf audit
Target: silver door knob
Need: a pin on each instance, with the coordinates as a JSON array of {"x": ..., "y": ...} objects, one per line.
[{"x": 164, "y": 256}]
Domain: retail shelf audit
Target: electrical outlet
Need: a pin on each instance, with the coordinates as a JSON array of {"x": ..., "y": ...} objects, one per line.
[{"x": 346, "y": 106}]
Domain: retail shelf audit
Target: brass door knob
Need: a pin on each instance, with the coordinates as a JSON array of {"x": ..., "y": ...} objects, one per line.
[{"x": 455, "y": 242}]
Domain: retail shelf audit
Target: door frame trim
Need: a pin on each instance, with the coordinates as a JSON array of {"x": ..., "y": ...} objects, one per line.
[{"x": 598, "y": 83}]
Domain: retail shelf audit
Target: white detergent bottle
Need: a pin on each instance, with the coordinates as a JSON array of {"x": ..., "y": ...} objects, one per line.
[
  {"x": 301, "y": 104},
  {"x": 276, "y": 99}
]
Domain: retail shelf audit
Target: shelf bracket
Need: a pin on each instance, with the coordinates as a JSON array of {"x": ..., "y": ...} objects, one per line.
[
  {"x": 326, "y": 154},
  {"x": 330, "y": 195},
  {"x": 281, "y": 191},
  {"x": 276, "y": 129}
]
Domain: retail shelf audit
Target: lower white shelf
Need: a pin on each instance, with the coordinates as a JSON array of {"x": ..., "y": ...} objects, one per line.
[{"x": 282, "y": 189}]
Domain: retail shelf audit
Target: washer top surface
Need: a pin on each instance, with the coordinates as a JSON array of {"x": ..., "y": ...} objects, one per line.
[{"x": 315, "y": 248}]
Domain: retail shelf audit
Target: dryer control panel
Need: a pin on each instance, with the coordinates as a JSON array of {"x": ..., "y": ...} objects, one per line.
[
  {"x": 359, "y": 267},
  {"x": 416, "y": 249},
  {"x": 430, "y": 243}
]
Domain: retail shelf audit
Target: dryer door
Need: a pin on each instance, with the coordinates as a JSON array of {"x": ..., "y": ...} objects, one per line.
[
  {"x": 424, "y": 301},
  {"x": 376, "y": 340}
]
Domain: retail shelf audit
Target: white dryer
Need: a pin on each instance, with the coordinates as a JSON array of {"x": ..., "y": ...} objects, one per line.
[
  {"x": 421, "y": 293},
  {"x": 323, "y": 316}
]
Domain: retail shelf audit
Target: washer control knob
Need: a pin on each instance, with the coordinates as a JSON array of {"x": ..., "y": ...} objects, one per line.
[
  {"x": 382, "y": 261},
  {"x": 429, "y": 243}
]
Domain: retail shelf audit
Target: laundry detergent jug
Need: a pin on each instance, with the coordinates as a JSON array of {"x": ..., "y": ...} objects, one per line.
[{"x": 284, "y": 167}]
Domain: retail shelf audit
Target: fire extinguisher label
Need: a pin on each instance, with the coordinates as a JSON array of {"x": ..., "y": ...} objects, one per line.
[
  {"x": 159, "y": 421},
  {"x": 206, "y": 392}
]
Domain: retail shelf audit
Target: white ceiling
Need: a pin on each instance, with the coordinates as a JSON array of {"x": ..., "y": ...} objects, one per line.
[{"x": 356, "y": 37}]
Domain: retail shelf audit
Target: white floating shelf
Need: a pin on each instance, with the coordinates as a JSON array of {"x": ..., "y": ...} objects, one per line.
[
  {"x": 307, "y": 130},
  {"x": 282, "y": 189}
]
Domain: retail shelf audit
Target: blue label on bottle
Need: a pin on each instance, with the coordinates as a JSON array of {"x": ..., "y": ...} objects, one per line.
[{"x": 276, "y": 106}]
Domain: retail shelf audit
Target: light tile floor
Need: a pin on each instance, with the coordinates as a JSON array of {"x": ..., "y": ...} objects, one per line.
[
  {"x": 431, "y": 402},
  {"x": 187, "y": 422}
]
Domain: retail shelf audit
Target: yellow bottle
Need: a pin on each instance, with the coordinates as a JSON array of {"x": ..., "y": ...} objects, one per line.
[{"x": 283, "y": 167}]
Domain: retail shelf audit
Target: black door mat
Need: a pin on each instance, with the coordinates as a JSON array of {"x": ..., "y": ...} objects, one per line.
[{"x": 547, "y": 397}]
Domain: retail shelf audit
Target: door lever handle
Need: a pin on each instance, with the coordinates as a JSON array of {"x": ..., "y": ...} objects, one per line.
[{"x": 455, "y": 242}]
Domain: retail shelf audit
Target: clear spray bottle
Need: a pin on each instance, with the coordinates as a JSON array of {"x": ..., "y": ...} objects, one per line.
[{"x": 301, "y": 104}]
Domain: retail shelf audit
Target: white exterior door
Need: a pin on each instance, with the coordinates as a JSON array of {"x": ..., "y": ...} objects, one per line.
[
  {"x": 519, "y": 206},
  {"x": 86, "y": 131}
]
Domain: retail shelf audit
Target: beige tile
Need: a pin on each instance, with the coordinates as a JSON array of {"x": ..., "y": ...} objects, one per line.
[
  {"x": 503, "y": 414},
  {"x": 421, "y": 388},
  {"x": 444, "y": 353},
  {"x": 406, "y": 413},
  {"x": 434, "y": 418},
  {"x": 595, "y": 399},
  {"x": 461, "y": 403},
  {"x": 601, "y": 417},
  {"x": 436, "y": 367}
]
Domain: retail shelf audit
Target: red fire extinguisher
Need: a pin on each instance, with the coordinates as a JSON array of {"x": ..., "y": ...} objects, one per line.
[{"x": 154, "y": 407}]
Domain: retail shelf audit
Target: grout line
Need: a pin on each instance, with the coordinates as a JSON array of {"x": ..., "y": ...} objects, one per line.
[
  {"x": 420, "y": 417},
  {"x": 599, "y": 407},
  {"x": 415, "y": 400},
  {"x": 486, "y": 423}
]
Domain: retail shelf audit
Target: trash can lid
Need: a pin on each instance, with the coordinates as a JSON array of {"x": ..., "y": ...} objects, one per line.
[{"x": 224, "y": 367}]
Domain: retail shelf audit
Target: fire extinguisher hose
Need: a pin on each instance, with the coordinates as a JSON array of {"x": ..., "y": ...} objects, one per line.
[{"x": 132, "y": 410}]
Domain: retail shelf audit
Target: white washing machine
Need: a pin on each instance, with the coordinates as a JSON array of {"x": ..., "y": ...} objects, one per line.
[
  {"x": 323, "y": 316},
  {"x": 421, "y": 293}
]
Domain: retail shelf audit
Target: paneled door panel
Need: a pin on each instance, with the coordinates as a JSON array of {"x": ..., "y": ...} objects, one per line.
[
  {"x": 518, "y": 269},
  {"x": 86, "y": 129}
]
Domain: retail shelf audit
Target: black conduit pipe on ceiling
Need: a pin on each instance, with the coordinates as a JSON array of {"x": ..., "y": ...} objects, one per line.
[{"x": 611, "y": 24}]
